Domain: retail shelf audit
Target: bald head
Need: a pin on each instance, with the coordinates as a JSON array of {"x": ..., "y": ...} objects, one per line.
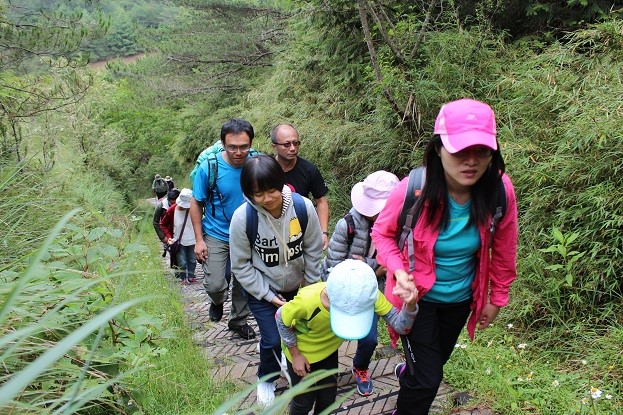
[{"x": 283, "y": 130}]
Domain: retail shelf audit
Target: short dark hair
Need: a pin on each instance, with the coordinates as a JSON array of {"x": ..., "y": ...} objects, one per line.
[
  {"x": 237, "y": 126},
  {"x": 273, "y": 132},
  {"x": 261, "y": 173},
  {"x": 173, "y": 193}
]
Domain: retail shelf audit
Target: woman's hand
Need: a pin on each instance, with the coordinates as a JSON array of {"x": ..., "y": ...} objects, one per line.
[
  {"x": 409, "y": 297},
  {"x": 404, "y": 280},
  {"x": 489, "y": 313}
]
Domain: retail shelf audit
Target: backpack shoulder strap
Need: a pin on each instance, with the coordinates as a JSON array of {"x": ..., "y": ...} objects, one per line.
[
  {"x": 252, "y": 221},
  {"x": 212, "y": 176},
  {"x": 300, "y": 209},
  {"x": 350, "y": 228},
  {"x": 406, "y": 221},
  {"x": 499, "y": 212},
  {"x": 251, "y": 224},
  {"x": 212, "y": 171}
]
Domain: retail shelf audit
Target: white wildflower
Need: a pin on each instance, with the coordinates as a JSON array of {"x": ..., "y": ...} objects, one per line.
[{"x": 595, "y": 393}]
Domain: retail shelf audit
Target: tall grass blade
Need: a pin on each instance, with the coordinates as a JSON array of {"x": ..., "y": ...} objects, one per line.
[
  {"x": 18, "y": 382},
  {"x": 21, "y": 282}
]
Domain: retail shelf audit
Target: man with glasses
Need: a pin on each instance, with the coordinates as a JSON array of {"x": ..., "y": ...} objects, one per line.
[
  {"x": 216, "y": 195},
  {"x": 302, "y": 176}
]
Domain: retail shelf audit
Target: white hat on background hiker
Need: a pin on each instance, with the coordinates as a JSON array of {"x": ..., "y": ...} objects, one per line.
[
  {"x": 157, "y": 176},
  {"x": 168, "y": 179},
  {"x": 464, "y": 123},
  {"x": 370, "y": 195},
  {"x": 352, "y": 289},
  {"x": 183, "y": 200}
]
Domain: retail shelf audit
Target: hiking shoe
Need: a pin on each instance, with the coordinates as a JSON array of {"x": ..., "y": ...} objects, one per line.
[
  {"x": 265, "y": 393},
  {"x": 364, "y": 383},
  {"x": 215, "y": 312},
  {"x": 245, "y": 331},
  {"x": 400, "y": 367},
  {"x": 192, "y": 280}
]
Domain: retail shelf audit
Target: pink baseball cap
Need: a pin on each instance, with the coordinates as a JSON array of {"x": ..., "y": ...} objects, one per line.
[
  {"x": 369, "y": 196},
  {"x": 464, "y": 123}
]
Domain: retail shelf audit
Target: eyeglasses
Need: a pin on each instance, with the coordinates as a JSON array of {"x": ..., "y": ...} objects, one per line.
[
  {"x": 480, "y": 152},
  {"x": 234, "y": 149},
  {"x": 289, "y": 144}
]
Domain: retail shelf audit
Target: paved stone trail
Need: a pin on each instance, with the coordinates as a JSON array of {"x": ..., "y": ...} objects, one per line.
[{"x": 235, "y": 358}]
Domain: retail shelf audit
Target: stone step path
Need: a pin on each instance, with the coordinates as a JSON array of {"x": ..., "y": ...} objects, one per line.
[{"x": 236, "y": 358}]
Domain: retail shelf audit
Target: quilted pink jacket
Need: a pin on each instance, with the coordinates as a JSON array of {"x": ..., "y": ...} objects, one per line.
[{"x": 494, "y": 275}]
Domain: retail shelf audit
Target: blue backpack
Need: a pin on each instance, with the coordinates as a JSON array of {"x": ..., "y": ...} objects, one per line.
[
  {"x": 211, "y": 153},
  {"x": 299, "y": 208}
]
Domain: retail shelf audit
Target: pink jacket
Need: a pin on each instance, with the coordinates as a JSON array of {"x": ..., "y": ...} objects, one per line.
[{"x": 493, "y": 276}]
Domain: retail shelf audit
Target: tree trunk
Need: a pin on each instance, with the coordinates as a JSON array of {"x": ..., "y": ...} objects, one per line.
[{"x": 363, "y": 15}]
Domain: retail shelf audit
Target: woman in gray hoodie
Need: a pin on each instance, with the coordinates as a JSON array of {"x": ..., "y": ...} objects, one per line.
[{"x": 285, "y": 254}]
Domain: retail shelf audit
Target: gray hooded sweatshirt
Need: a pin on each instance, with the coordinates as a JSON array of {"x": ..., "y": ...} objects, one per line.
[{"x": 281, "y": 257}]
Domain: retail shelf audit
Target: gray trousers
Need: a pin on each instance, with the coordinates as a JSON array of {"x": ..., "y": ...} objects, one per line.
[{"x": 215, "y": 268}]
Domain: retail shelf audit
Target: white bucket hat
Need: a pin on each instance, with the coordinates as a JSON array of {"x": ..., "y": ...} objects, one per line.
[{"x": 183, "y": 200}]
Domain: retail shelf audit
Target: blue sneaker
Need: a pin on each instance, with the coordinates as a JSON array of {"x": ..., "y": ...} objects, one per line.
[
  {"x": 364, "y": 383},
  {"x": 400, "y": 367}
]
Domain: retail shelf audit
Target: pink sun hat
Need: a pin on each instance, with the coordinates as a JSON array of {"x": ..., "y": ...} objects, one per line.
[
  {"x": 370, "y": 195},
  {"x": 464, "y": 123}
]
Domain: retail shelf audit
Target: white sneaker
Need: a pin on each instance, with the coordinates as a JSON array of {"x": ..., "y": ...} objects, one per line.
[{"x": 265, "y": 393}]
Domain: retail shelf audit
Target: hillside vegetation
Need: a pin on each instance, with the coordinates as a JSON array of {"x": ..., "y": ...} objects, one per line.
[{"x": 362, "y": 81}]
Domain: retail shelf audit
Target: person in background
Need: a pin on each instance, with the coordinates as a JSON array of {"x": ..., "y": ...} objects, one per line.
[
  {"x": 284, "y": 255},
  {"x": 351, "y": 239},
  {"x": 161, "y": 208},
  {"x": 302, "y": 176},
  {"x": 169, "y": 181},
  {"x": 159, "y": 186},
  {"x": 177, "y": 227},
  {"x": 464, "y": 262},
  {"x": 213, "y": 203},
  {"x": 315, "y": 323}
]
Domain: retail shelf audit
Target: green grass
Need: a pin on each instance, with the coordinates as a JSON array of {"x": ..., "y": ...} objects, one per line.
[
  {"x": 178, "y": 381},
  {"x": 510, "y": 372}
]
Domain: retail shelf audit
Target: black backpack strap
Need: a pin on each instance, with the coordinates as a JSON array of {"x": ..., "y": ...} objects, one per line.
[
  {"x": 183, "y": 226},
  {"x": 407, "y": 220},
  {"x": 301, "y": 210},
  {"x": 500, "y": 210},
  {"x": 212, "y": 176},
  {"x": 251, "y": 224},
  {"x": 252, "y": 220},
  {"x": 350, "y": 228}
]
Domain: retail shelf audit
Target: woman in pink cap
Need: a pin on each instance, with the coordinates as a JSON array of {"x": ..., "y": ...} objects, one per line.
[
  {"x": 351, "y": 239},
  {"x": 464, "y": 254}
]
